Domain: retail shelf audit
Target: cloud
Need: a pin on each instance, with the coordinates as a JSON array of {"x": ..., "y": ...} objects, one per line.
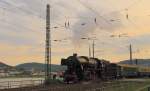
[{"x": 22, "y": 33}]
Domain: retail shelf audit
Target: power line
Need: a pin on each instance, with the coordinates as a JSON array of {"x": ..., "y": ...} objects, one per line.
[
  {"x": 63, "y": 27},
  {"x": 28, "y": 12},
  {"x": 128, "y": 7},
  {"x": 91, "y": 9},
  {"x": 20, "y": 9},
  {"x": 15, "y": 26},
  {"x": 26, "y": 27},
  {"x": 76, "y": 17}
]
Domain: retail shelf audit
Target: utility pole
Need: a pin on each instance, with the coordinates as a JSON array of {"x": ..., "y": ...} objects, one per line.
[
  {"x": 93, "y": 49},
  {"x": 89, "y": 51},
  {"x": 48, "y": 44},
  {"x": 131, "y": 54}
]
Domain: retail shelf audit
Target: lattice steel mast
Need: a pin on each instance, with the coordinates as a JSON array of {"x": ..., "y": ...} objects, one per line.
[{"x": 48, "y": 44}]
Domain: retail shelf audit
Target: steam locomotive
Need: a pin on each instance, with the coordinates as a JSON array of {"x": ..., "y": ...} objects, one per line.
[{"x": 82, "y": 68}]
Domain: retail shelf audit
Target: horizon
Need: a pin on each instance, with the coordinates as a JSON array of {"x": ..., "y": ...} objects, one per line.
[
  {"x": 25, "y": 63},
  {"x": 115, "y": 25},
  {"x": 60, "y": 64}
]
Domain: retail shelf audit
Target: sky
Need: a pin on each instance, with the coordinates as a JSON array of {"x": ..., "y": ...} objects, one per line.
[{"x": 22, "y": 33}]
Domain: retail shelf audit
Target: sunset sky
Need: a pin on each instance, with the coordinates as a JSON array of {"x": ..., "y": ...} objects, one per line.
[{"x": 22, "y": 33}]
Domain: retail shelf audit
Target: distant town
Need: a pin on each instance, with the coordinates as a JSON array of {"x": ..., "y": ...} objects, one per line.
[{"x": 27, "y": 70}]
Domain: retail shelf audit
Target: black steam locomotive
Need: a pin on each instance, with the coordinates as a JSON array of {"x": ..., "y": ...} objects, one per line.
[{"x": 82, "y": 68}]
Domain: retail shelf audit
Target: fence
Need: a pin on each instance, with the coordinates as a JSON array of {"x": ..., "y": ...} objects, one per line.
[{"x": 20, "y": 84}]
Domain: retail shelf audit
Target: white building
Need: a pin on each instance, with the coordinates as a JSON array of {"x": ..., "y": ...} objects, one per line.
[{"x": 3, "y": 73}]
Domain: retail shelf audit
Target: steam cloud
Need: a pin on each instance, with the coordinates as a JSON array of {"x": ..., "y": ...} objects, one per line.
[{"x": 86, "y": 26}]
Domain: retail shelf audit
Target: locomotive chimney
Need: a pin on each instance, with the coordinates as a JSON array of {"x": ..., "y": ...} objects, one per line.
[{"x": 75, "y": 54}]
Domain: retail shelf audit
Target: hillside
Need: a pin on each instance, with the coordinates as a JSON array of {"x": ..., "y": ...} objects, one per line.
[
  {"x": 142, "y": 62},
  {"x": 40, "y": 67},
  {"x": 3, "y": 65}
]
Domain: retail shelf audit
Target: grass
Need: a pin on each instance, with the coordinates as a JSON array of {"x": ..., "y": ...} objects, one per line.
[
  {"x": 146, "y": 89},
  {"x": 130, "y": 86}
]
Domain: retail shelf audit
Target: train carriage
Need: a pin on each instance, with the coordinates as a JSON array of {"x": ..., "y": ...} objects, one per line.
[
  {"x": 134, "y": 71},
  {"x": 129, "y": 70},
  {"x": 144, "y": 71}
]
